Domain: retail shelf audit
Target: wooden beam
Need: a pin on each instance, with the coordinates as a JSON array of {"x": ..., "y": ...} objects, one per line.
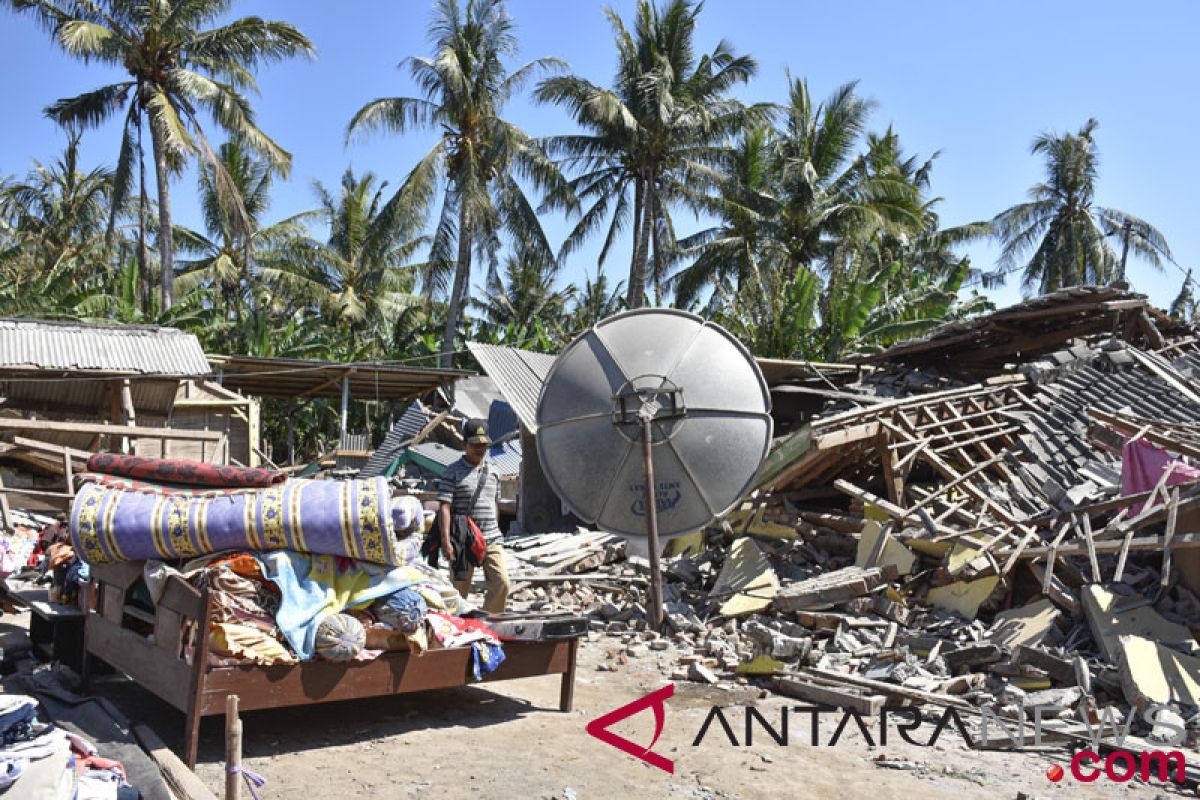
[
  {"x": 945, "y": 487},
  {"x": 325, "y": 384},
  {"x": 100, "y": 428},
  {"x": 843, "y": 436},
  {"x": 36, "y": 499},
  {"x": 1122, "y": 426},
  {"x": 1188, "y": 541},
  {"x": 1172, "y": 515},
  {"x": 183, "y": 782},
  {"x": 892, "y": 479},
  {"x": 49, "y": 448}
]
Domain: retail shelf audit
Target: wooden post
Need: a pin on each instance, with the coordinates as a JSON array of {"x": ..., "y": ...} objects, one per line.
[
  {"x": 291, "y": 418},
  {"x": 233, "y": 749},
  {"x": 68, "y": 472},
  {"x": 5, "y": 512},
  {"x": 1172, "y": 515},
  {"x": 128, "y": 414},
  {"x": 114, "y": 413},
  {"x": 345, "y": 400}
]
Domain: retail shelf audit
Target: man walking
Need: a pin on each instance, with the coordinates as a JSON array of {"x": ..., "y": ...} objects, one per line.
[{"x": 471, "y": 486}]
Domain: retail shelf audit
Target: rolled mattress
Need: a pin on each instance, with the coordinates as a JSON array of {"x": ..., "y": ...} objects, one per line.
[{"x": 341, "y": 518}]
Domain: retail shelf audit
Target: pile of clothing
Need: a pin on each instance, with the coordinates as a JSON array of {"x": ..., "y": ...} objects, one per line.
[
  {"x": 46, "y": 558},
  {"x": 39, "y": 760},
  {"x": 283, "y": 607}
]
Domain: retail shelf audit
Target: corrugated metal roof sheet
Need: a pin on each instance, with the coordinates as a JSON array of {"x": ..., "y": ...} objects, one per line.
[
  {"x": 519, "y": 374},
  {"x": 473, "y": 397},
  {"x": 411, "y": 422},
  {"x": 30, "y": 344},
  {"x": 437, "y": 453},
  {"x": 507, "y": 457}
]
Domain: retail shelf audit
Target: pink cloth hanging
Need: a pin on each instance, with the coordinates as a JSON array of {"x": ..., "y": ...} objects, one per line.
[{"x": 1142, "y": 466}]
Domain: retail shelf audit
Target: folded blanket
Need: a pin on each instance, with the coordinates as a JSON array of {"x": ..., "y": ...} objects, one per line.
[
  {"x": 174, "y": 470},
  {"x": 344, "y": 518}
]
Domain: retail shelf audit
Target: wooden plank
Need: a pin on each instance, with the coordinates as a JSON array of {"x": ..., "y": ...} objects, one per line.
[
  {"x": 945, "y": 487},
  {"x": 36, "y": 499},
  {"x": 1189, "y": 541},
  {"x": 326, "y": 384},
  {"x": 826, "y": 695},
  {"x": 100, "y": 428},
  {"x": 184, "y": 783},
  {"x": 891, "y": 509},
  {"x": 1172, "y": 515},
  {"x": 887, "y": 688},
  {"x": 892, "y": 478},
  {"x": 1090, "y": 543},
  {"x": 949, "y": 473},
  {"x": 853, "y": 433},
  {"x": 1053, "y": 555}
]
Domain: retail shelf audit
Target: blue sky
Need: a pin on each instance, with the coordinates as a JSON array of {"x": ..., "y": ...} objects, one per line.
[{"x": 976, "y": 81}]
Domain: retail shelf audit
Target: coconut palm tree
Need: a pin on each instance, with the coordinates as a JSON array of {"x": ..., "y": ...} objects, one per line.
[
  {"x": 595, "y": 301},
  {"x": 522, "y": 293},
  {"x": 362, "y": 275},
  {"x": 1061, "y": 229},
  {"x": 480, "y": 158},
  {"x": 57, "y": 214},
  {"x": 230, "y": 257},
  {"x": 178, "y": 66},
  {"x": 801, "y": 196},
  {"x": 649, "y": 135}
]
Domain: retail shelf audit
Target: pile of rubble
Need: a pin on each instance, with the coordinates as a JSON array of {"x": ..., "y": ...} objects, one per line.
[{"x": 1019, "y": 530}]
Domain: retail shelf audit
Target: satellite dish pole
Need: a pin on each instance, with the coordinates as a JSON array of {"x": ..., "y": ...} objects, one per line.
[
  {"x": 665, "y": 402},
  {"x": 654, "y": 610}
]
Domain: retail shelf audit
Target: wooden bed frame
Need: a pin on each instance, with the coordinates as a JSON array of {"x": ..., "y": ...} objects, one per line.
[{"x": 158, "y": 662}]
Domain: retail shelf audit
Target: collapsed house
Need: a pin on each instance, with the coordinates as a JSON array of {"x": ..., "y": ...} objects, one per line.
[{"x": 1000, "y": 515}]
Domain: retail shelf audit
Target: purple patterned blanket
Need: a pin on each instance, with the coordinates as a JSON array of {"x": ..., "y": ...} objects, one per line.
[{"x": 342, "y": 518}]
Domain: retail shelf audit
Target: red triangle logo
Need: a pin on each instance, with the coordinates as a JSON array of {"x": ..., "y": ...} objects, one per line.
[{"x": 656, "y": 700}]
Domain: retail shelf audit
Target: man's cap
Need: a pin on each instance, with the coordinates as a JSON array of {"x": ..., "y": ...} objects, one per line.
[{"x": 476, "y": 431}]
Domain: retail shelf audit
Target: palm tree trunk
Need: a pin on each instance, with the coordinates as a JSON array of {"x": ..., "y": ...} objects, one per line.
[
  {"x": 637, "y": 268},
  {"x": 462, "y": 274},
  {"x": 656, "y": 216},
  {"x": 166, "y": 243},
  {"x": 143, "y": 256}
]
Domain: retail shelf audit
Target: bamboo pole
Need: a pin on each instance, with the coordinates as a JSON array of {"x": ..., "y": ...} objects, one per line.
[{"x": 233, "y": 749}]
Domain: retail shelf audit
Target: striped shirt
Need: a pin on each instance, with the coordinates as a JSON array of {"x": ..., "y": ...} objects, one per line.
[{"x": 457, "y": 486}]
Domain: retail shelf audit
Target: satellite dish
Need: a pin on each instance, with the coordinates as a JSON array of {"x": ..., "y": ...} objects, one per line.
[{"x": 664, "y": 376}]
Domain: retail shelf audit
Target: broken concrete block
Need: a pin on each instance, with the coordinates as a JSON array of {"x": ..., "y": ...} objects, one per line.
[
  {"x": 1153, "y": 673},
  {"x": 829, "y": 589},
  {"x": 701, "y": 674},
  {"x": 747, "y": 581},
  {"x": 1063, "y": 698},
  {"x": 1108, "y": 621},
  {"x": 1030, "y": 625},
  {"x": 963, "y": 597},
  {"x": 1061, "y": 670},
  {"x": 973, "y": 656}
]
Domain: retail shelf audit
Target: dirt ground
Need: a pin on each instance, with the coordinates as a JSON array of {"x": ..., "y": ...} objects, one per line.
[{"x": 508, "y": 740}]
